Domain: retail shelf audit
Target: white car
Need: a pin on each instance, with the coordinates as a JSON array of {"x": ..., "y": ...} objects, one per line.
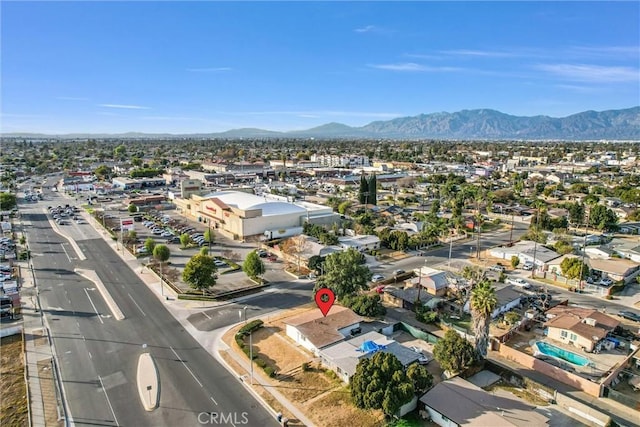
[
  {"x": 521, "y": 283},
  {"x": 377, "y": 278}
]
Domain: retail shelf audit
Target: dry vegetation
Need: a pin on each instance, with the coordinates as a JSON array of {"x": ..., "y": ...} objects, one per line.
[
  {"x": 318, "y": 394},
  {"x": 13, "y": 389}
]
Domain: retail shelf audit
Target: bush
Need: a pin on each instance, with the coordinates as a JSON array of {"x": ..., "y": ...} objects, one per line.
[
  {"x": 304, "y": 366},
  {"x": 254, "y": 325},
  {"x": 269, "y": 371},
  {"x": 261, "y": 363}
]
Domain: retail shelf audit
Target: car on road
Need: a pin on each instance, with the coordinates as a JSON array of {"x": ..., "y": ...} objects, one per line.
[
  {"x": 499, "y": 268},
  {"x": 377, "y": 278},
  {"x": 398, "y": 272},
  {"x": 220, "y": 263},
  {"x": 519, "y": 282},
  {"x": 629, "y": 315}
]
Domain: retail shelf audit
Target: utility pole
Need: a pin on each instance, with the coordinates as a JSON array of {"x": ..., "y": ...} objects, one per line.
[
  {"x": 584, "y": 252},
  {"x": 535, "y": 244}
]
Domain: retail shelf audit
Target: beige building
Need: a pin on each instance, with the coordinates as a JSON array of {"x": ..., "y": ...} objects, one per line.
[{"x": 581, "y": 327}]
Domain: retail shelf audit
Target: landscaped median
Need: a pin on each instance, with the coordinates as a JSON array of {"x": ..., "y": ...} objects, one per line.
[{"x": 295, "y": 373}]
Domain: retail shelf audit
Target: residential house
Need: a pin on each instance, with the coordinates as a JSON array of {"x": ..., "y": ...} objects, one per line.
[
  {"x": 314, "y": 331},
  {"x": 581, "y": 327},
  {"x": 527, "y": 251},
  {"x": 343, "y": 357},
  {"x": 406, "y": 298},
  {"x": 617, "y": 269},
  {"x": 508, "y": 299},
  {"x": 457, "y": 402},
  {"x": 435, "y": 282},
  {"x": 600, "y": 252},
  {"x": 360, "y": 243}
]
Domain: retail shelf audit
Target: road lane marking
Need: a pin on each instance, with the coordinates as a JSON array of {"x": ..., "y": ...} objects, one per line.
[
  {"x": 213, "y": 400},
  {"x": 206, "y": 315},
  {"x": 134, "y": 301},
  {"x": 108, "y": 401},
  {"x": 90, "y": 356},
  {"x": 65, "y": 252},
  {"x": 185, "y": 365},
  {"x": 93, "y": 305}
]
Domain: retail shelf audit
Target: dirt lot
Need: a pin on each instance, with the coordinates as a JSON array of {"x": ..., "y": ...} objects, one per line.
[
  {"x": 322, "y": 397},
  {"x": 13, "y": 390}
]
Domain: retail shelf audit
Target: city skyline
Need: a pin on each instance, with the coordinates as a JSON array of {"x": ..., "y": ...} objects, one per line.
[{"x": 210, "y": 67}]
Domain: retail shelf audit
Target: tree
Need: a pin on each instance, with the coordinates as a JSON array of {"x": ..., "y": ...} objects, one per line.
[
  {"x": 515, "y": 261},
  {"x": 344, "y": 273},
  {"x": 483, "y": 303},
  {"x": 453, "y": 353},
  {"x": 149, "y": 245},
  {"x": 295, "y": 247},
  {"x": 253, "y": 265},
  {"x": 7, "y": 201},
  {"x": 420, "y": 377},
  {"x": 316, "y": 263},
  {"x": 199, "y": 272},
  {"x": 184, "y": 239},
  {"x": 381, "y": 383},
  {"x": 572, "y": 267},
  {"x": 102, "y": 172},
  {"x": 365, "y": 305},
  {"x": 363, "y": 191},
  {"x": 602, "y": 218},
  {"x": 120, "y": 152},
  {"x": 132, "y": 208},
  {"x": 373, "y": 190},
  {"x": 161, "y": 253}
]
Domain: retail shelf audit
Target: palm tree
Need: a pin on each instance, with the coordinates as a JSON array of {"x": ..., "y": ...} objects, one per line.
[{"x": 483, "y": 303}]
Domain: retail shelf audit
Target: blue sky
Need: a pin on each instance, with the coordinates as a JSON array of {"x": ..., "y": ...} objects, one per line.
[{"x": 213, "y": 66}]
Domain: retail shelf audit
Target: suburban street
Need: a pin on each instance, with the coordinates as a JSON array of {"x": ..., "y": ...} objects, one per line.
[{"x": 98, "y": 354}]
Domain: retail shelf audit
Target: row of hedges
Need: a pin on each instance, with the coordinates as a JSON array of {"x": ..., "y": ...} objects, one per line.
[{"x": 250, "y": 327}]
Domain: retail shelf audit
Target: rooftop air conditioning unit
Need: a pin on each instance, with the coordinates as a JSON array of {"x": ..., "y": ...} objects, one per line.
[{"x": 590, "y": 321}]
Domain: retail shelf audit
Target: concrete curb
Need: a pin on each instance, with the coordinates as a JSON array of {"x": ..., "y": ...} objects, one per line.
[
  {"x": 73, "y": 244},
  {"x": 148, "y": 382},
  {"x": 92, "y": 276}
]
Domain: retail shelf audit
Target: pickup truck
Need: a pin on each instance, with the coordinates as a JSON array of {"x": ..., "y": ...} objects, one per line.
[{"x": 521, "y": 283}]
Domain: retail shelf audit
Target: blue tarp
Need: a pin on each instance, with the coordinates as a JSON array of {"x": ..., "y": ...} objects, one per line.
[{"x": 370, "y": 346}]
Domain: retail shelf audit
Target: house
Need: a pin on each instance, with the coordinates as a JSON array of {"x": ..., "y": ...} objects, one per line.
[
  {"x": 314, "y": 331},
  {"x": 617, "y": 269},
  {"x": 360, "y": 243},
  {"x": 407, "y": 297},
  {"x": 457, "y": 402},
  {"x": 601, "y": 252},
  {"x": 435, "y": 282},
  {"x": 581, "y": 327},
  {"x": 527, "y": 251},
  {"x": 344, "y": 356},
  {"x": 508, "y": 299}
]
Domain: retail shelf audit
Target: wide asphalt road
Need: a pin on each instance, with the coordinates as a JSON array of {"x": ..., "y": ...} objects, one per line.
[{"x": 98, "y": 354}]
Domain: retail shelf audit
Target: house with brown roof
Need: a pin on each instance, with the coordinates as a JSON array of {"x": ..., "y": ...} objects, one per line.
[
  {"x": 617, "y": 269},
  {"x": 581, "y": 327},
  {"x": 314, "y": 331}
]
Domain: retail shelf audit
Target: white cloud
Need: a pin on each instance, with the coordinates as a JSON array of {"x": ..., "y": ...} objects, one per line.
[
  {"x": 616, "y": 52},
  {"x": 591, "y": 73},
  {"x": 209, "y": 70},
  {"x": 124, "y": 106},
  {"x": 479, "y": 53},
  {"x": 314, "y": 113},
  {"x": 412, "y": 67},
  {"x": 366, "y": 29}
]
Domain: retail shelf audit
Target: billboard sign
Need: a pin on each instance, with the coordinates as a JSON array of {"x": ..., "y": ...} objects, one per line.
[{"x": 126, "y": 224}]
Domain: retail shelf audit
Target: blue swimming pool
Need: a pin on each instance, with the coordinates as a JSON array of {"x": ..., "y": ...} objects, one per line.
[{"x": 559, "y": 353}]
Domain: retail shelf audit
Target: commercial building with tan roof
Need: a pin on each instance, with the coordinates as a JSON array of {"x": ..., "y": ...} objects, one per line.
[
  {"x": 581, "y": 327},
  {"x": 314, "y": 331}
]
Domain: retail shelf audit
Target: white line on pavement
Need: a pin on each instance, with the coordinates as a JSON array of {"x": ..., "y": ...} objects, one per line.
[
  {"x": 134, "y": 301},
  {"x": 94, "y": 306},
  {"x": 185, "y": 365},
  {"x": 213, "y": 400},
  {"x": 108, "y": 401},
  {"x": 65, "y": 252},
  {"x": 206, "y": 315}
]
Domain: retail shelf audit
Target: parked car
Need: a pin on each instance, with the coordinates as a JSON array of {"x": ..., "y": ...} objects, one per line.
[
  {"x": 220, "y": 263},
  {"x": 606, "y": 282},
  {"x": 528, "y": 266},
  {"x": 377, "y": 278},
  {"x": 499, "y": 268},
  {"x": 629, "y": 315},
  {"x": 398, "y": 272},
  {"x": 521, "y": 283}
]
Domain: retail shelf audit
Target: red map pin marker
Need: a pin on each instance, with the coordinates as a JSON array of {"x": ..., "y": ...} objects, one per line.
[{"x": 325, "y": 299}]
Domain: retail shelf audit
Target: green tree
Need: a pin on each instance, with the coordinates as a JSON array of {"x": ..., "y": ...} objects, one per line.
[
  {"x": 120, "y": 152},
  {"x": 381, "y": 383},
  {"x": 7, "y": 201},
  {"x": 603, "y": 218},
  {"x": 102, "y": 172},
  {"x": 365, "y": 305},
  {"x": 199, "y": 272},
  {"x": 132, "y": 208},
  {"x": 149, "y": 245},
  {"x": 161, "y": 253},
  {"x": 363, "y": 191},
  {"x": 344, "y": 274},
  {"x": 572, "y": 267},
  {"x": 420, "y": 377},
  {"x": 483, "y": 302},
  {"x": 453, "y": 353},
  {"x": 184, "y": 240},
  {"x": 253, "y": 265},
  {"x": 373, "y": 190},
  {"x": 515, "y": 261}
]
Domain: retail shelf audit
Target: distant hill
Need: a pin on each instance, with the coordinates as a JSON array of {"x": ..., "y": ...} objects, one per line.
[{"x": 465, "y": 124}]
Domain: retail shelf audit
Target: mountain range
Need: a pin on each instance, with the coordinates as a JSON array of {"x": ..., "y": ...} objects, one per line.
[{"x": 480, "y": 124}]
